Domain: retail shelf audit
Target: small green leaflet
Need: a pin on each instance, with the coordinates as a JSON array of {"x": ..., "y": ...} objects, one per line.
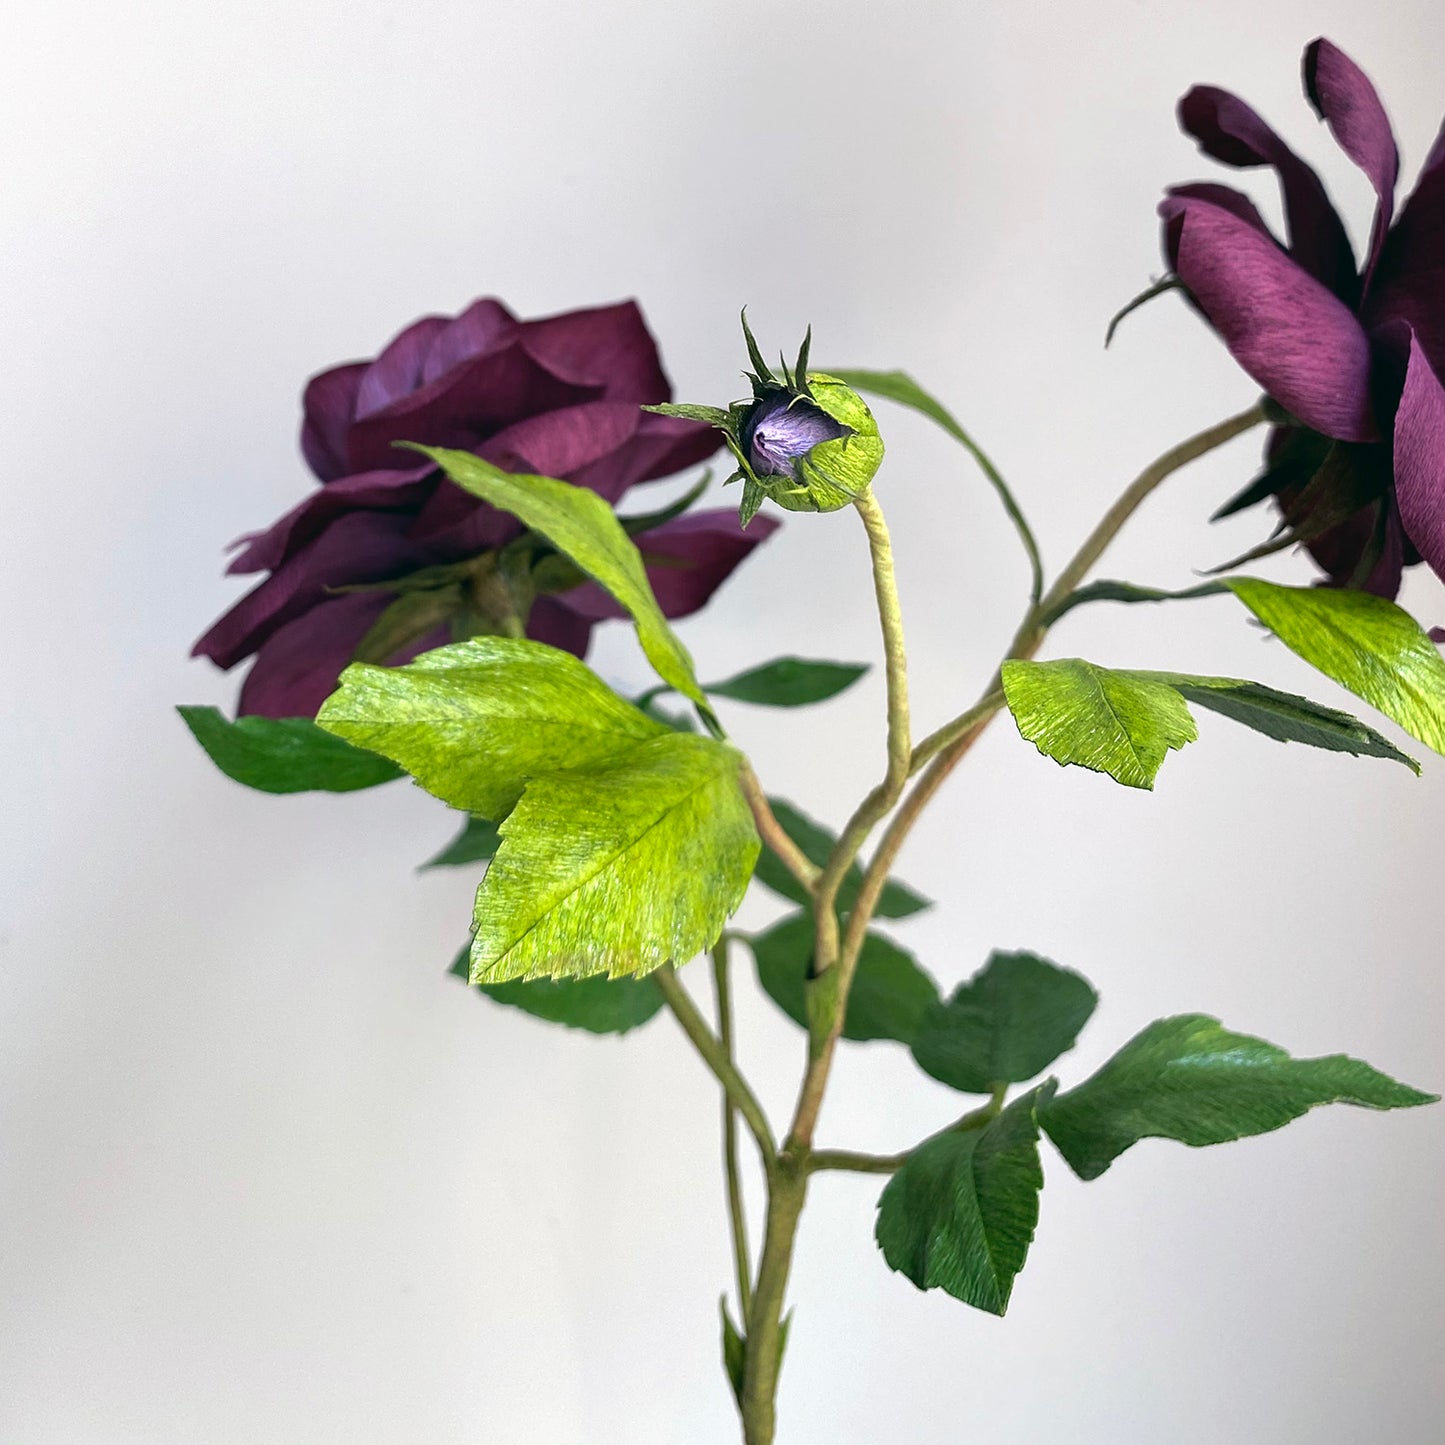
[
  {"x": 622, "y": 868},
  {"x": 789, "y": 682},
  {"x": 961, "y": 1212},
  {"x": 1120, "y": 723},
  {"x": 477, "y": 841},
  {"x": 475, "y": 721},
  {"x": 598, "y": 1005},
  {"x": 1369, "y": 646},
  {"x": 583, "y": 526},
  {"x": 285, "y": 755},
  {"x": 890, "y": 994},
  {"x": 1190, "y": 1079},
  {"x": 735, "y": 1348},
  {"x": 1124, "y": 723},
  {"x": 1009, "y": 1022},
  {"x": 897, "y": 900}
]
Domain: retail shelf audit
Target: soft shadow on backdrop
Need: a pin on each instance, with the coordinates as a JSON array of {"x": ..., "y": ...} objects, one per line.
[{"x": 268, "y": 1174}]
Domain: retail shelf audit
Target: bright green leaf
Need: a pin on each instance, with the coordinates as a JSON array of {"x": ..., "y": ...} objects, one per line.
[
  {"x": 1188, "y": 1078},
  {"x": 475, "y": 721},
  {"x": 789, "y": 682},
  {"x": 581, "y": 524},
  {"x": 477, "y": 842},
  {"x": 890, "y": 993},
  {"x": 1118, "y": 723},
  {"x": 1369, "y": 646},
  {"x": 897, "y": 900},
  {"x": 599, "y": 1005},
  {"x": 961, "y": 1212},
  {"x": 635, "y": 863},
  {"x": 1009, "y": 1022},
  {"x": 285, "y": 755}
]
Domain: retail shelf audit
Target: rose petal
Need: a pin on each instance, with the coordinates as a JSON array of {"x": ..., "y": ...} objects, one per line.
[
  {"x": 607, "y": 346},
  {"x": 359, "y": 547},
  {"x": 552, "y": 621},
  {"x": 397, "y": 371},
  {"x": 380, "y": 491},
  {"x": 1410, "y": 278},
  {"x": 1227, "y": 198},
  {"x": 329, "y": 403},
  {"x": 1300, "y": 342},
  {"x": 483, "y": 326},
  {"x": 1229, "y": 131},
  {"x": 1348, "y": 103},
  {"x": 687, "y": 560},
  {"x": 1420, "y": 459}
]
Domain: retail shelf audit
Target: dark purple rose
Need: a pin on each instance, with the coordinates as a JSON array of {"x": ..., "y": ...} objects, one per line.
[
  {"x": 1353, "y": 353},
  {"x": 561, "y": 396},
  {"x": 783, "y": 427}
]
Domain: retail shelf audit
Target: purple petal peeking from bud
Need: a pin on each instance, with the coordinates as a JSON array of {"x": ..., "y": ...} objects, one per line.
[{"x": 783, "y": 428}]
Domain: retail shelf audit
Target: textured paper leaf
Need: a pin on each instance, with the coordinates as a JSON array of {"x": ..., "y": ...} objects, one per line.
[
  {"x": 789, "y": 682},
  {"x": 581, "y": 524},
  {"x": 1009, "y": 1022},
  {"x": 1188, "y": 1078},
  {"x": 897, "y": 900},
  {"x": 1118, "y": 723},
  {"x": 1369, "y": 646},
  {"x": 961, "y": 1212},
  {"x": 473, "y": 722},
  {"x": 285, "y": 755},
  {"x": 599, "y": 1005},
  {"x": 618, "y": 870},
  {"x": 477, "y": 842},
  {"x": 890, "y": 993}
]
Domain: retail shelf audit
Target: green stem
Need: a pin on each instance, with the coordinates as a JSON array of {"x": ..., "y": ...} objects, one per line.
[
  {"x": 716, "y": 1058},
  {"x": 737, "y": 1215},
  {"x": 771, "y": 831},
  {"x": 851, "y": 1161}
]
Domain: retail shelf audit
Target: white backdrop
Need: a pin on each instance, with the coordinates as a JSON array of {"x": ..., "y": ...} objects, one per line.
[{"x": 265, "y": 1173}]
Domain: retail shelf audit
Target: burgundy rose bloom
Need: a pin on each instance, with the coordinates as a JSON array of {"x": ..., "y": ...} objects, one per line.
[
  {"x": 1353, "y": 354},
  {"x": 561, "y": 396}
]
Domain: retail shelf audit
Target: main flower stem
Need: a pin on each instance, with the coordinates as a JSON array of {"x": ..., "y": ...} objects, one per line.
[{"x": 737, "y": 1215}]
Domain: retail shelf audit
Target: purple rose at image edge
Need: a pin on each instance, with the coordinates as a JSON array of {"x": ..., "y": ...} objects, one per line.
[
  {"x": 558, "y": 396},
  {"x": 1354, "y": 354}
]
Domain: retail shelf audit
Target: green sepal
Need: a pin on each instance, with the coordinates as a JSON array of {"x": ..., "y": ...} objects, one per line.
[
  {"x": 889, "y": 998},
  {"x": 1188, "y": 1078},
  {"x": 473, "y": 722},
  {"x": 713, "y": 415},
  {"x": 1006, "y": 1025},
  {"x": 285, "y": 755},
  {"x": 961, "y": 1212},
  {"x": 596, "y": 1005},
  {"x": 411, "y": 616},
  {"x": 619, "y": 869},
  {"x": 897, "y": 900},
  {"x": 753, "y": 497},
  {"x": 735, "y": 1348}
]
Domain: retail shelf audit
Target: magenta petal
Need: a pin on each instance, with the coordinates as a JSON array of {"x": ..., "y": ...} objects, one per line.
[
  {"x": 1348, "y": 103},
  {"x": 1300, "y": 342},
  {"x": 607, "y": 346},
  {"x": 1420, "y": 459},
  {"x": 687, "y": 560},
  {"x": 396, "y": 373},
  {"x": 297, "y": 667},
  {"x": 483, "y": 326},
  {"x": 1410, "y": 278},
  {"x": 552, "y": 621},
  {"x": 1229, "y": 131},
  {"x": 1225, "y": 197},
  {"x": 381, "y": 491},
  {"x": 329, "y": 404}
]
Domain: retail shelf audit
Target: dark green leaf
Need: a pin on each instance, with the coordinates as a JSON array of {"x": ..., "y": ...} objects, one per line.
[
  {"x": 476, "y": 843},
  {"x": 1119, "y": 723},
  {"x": 961, "y": 1212},
  {"x": 285, "y": 755},
  {"x": 1108, "y": 590},
  {"x": 890, "y": 993},
  {"x": 897, "y": 900},
  {"x": 583, "y": 526},
  {"x": 1188, "y": 1078},
  {"x": 1369, "y": 646},
  {"x": 789, "y": 682},
  {"x": 599, "y": 1005},
  {"x": 473, "y": 722},
  {"x": 622, "y": 868},
  {"x": 646, "y": 521},
  {"x": 1009, "y": 1022}
]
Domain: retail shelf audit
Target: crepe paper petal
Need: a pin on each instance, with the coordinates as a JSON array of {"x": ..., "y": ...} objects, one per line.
[
  {"x": 329, "y": 406},
  {"x": 1420, "y": 459}
]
